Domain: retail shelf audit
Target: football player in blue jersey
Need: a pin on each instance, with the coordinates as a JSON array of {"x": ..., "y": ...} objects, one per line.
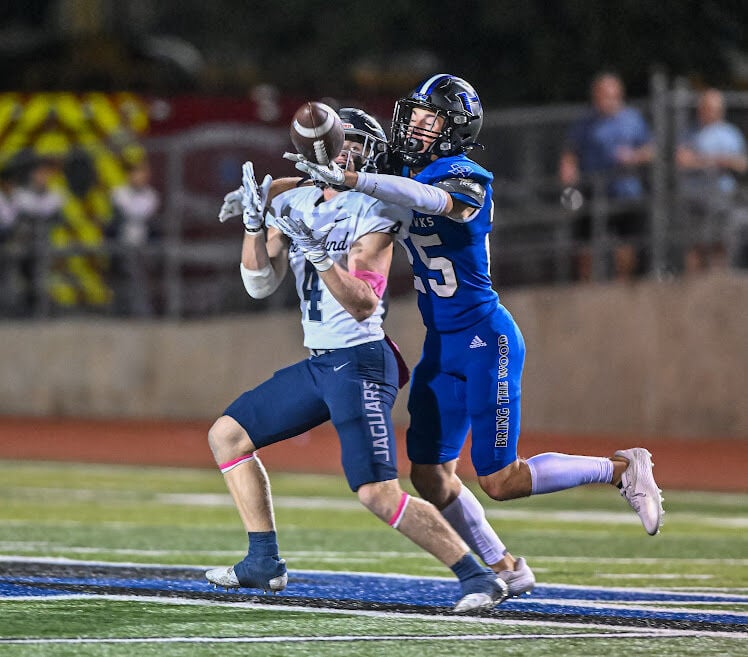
[
  {"x": 469, "y": 375},
  {"x": 338, "y": 245}
]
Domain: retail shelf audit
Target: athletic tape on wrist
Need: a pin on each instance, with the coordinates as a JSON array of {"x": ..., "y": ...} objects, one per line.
[
  {"x": 230, "y": 465},
  {"x": 323, "y": 265},
  {"x": 397, "y": 517}
]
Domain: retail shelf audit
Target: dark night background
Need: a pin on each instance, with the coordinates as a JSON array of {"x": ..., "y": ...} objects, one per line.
[{"x": 515, "y": 53}]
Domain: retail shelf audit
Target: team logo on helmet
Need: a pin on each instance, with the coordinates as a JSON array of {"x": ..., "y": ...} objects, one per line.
[{"x": 468, "y": 101}]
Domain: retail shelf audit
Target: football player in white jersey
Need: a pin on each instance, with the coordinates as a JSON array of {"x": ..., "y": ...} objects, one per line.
[{"x": 338, "y": 244}]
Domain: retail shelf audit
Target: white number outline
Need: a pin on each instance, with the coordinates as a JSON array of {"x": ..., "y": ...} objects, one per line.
[{"x": 439, "y": 265}]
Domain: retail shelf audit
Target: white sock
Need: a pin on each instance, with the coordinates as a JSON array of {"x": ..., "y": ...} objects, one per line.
[
  {"x": 552, "y": 472},
  {"x": 468, "y": 518}
]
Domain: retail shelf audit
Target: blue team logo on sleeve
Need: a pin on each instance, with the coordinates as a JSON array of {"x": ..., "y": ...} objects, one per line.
[{"x": 460, "y": 169}]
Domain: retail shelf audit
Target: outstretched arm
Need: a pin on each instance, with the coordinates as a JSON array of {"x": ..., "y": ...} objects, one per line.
[{"x": 385, "y": 187}]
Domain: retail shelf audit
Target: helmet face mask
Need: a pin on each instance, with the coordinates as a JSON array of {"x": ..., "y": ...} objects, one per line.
[{"x": 454, "y": 103}]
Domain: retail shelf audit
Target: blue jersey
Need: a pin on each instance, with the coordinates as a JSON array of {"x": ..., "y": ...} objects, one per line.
[{"x": 450, "y": 258}]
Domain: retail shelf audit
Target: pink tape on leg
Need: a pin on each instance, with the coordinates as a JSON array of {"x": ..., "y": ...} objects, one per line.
[
  {"x": 230, "y": 465},
  {"x": 397, "y": 517},
  {"x": 377, "y": 281}
]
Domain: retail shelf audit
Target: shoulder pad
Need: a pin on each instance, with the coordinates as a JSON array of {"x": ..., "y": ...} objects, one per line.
[{"x": 467, "y": 190}]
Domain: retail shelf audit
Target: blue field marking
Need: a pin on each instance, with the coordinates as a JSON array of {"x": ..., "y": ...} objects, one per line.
[{"x": 375, "y": 589}]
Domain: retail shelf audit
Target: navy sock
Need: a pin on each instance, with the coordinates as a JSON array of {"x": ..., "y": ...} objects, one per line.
[
  {"x": 262, "y": 562},
  {"x": 263, "y": 544},
  {"x": 468, "y": 567}
]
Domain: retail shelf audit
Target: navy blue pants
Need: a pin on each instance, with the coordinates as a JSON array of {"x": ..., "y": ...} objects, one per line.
[{"x": 355, "y": 387}]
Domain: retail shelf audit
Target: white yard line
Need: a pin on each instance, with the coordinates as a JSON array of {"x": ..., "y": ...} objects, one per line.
[
  {"x": 354, "y": 555},
  {"x": 337, "y": 504},
  {"x": 284, "y": 640},
  {"x": 620, "y": 631}
]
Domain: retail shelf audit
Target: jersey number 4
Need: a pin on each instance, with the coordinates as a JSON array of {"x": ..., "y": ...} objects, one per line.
[
  {"x": 440, "y": 268},
  {"x": 312, "y": 293}
]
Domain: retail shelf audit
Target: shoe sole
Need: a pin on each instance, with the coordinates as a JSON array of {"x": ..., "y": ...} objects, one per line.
[
  {"x": 660, "y": 499},
  {"x": 479, "y": 606},
  {"x": 644, "y": 467},
  {"x": 483, "y": 601}
]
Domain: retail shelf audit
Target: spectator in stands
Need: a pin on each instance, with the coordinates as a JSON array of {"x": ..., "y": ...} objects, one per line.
[
  {"x": 36, "y": 197},
  {"x": 8, "y": 225},
  {"x": 612, "y": 141},
  {"x": 28, "y": 203},
  {"x": 39, "y": 206},
  {"x": 709, "y": 159},
  {"x": 135, "y": 205},
  {"x": 8, "y": 207}
]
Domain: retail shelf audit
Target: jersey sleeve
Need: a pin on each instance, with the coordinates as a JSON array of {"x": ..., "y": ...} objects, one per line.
[
  {"x": 382, "y": 217},
  {"x": 284, "y": 203}
]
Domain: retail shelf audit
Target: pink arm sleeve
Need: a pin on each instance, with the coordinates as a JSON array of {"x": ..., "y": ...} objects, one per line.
[{"x": 377, "y": 281}]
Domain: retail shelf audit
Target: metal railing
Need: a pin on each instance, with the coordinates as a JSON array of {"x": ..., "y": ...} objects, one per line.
[{"x": 193, "y": 267}]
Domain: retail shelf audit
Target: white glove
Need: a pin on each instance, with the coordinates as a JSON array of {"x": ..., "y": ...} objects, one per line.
[
  {"x": 330, "y": 174},
  {"x": 312, "y": 245},
  {"x": 254, "y": 198},
  {"x": 232, "y": 205}
]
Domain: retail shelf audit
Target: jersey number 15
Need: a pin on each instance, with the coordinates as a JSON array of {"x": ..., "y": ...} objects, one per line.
[{"x": 441, "y": 267}]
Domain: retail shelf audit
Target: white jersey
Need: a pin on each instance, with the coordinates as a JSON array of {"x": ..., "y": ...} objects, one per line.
[{"x": 326, "y": 324}]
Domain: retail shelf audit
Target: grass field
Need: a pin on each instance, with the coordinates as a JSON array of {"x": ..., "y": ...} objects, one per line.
[{"x": 107, "y": 560}]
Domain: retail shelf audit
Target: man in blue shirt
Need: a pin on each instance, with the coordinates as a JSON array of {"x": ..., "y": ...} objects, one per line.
[
  {"x": 709, "y": 159},
  {"x": 611, "y": 141}
]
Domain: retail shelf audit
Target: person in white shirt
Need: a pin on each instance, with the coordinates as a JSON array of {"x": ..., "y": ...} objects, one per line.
[{"x": 135, "y": 205}]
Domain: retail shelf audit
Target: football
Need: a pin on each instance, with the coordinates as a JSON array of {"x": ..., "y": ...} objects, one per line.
[{"x": 317, "y": 132}]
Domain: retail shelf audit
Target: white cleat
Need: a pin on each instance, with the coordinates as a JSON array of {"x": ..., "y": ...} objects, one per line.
[
  {"x": 520, "y": 580},
  {"x": 639, "y": 489},
  {"x": 226, "y": 578},
  {"x": 483, "y": 600}
]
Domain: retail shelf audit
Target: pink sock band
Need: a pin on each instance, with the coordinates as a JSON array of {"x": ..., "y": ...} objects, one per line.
[
  {"x": 230, "y": 465},
  {"x": 377, "y": 281},
  {"x": 397, "y": 517}
]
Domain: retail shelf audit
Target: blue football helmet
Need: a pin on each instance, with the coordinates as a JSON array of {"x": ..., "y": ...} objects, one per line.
[{"x": 449, "y": 97}]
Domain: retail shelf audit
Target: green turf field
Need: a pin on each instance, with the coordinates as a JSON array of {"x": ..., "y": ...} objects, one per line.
[{"x": 587, "y": 537}]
